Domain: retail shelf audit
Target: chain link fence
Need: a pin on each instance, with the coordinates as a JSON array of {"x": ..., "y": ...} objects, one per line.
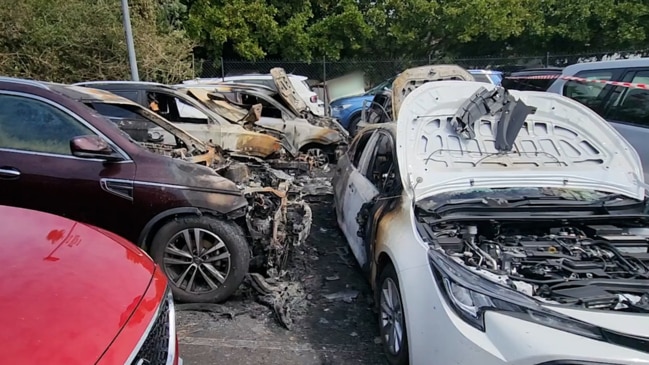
[{"x": 377, "y": 70}]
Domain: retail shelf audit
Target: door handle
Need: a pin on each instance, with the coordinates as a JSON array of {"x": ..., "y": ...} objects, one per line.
[{"x": 9, "y": 173}]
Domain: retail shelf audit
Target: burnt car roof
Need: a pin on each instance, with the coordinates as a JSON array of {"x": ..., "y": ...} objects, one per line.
[
  {"x": 233, "y": 86},
  {"x": 88, "y": 95},
  {"x": 128, "y": 85}
]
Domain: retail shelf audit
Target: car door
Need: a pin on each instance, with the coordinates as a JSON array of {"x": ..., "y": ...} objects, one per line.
[
  {"x": 38, "y": 170},
  {"x": 346, "y": 163},
  {"x": 360, "y": 189}
]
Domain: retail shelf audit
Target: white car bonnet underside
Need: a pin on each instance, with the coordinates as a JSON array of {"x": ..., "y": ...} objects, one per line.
[{"x": 563, "y": 144}]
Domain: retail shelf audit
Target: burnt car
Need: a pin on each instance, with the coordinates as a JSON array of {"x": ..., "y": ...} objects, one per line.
[
  {"x": 386, "y": 103},
  {"x": 499, "y": 227},
  {"x": 61, "y": 156},
  {"x": 188, "y": 114},
  {"x": 288, "y": 96},
  {"x": 234, "y": 101}
]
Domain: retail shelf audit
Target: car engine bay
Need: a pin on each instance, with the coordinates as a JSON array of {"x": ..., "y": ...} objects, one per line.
[{"x": 595, "y": 265}]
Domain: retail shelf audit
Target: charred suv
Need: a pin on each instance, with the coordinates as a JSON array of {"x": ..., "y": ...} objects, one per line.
[{"x": 499, "y": 227}]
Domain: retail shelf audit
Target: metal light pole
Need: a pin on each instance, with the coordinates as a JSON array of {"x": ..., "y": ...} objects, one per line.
[{"x": 129, "y": 41}]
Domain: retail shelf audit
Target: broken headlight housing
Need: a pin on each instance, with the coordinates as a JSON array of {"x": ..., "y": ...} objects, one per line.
[{"x": 470, "y": 296}]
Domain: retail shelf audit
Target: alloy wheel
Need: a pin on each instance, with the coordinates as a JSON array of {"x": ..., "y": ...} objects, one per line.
[
  {"x": 320, "y": 158},
  {"x": 196, "y": 260},
  {"x": 392, "y": 321}
]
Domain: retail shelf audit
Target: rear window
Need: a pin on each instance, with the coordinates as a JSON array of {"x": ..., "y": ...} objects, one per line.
[
  {"x": 530, "y": 84},
  {"x": 588, "y": 93}
]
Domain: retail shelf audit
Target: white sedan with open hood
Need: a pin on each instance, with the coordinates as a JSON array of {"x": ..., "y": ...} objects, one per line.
[{"x": 499, "y": 227}]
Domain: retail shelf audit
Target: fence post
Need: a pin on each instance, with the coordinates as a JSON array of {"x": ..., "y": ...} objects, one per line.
[
  {"x": 324, "y": 83},
  {"x": 222, "y": 70},
  {"x": 547, "y": 59},
  {"x": 193, "y": 66}
]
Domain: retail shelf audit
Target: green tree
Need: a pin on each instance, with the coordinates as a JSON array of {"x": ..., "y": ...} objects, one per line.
[{"x": 77, "y": 40}]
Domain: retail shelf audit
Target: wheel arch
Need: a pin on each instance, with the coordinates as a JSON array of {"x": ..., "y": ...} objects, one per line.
[
  {"x": 384, "y": 260},
  {"x": 155, "y": 223}
]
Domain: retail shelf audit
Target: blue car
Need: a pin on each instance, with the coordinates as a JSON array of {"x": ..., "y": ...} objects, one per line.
[
  {"x": 348, "y": 110},
  {"x": 488, "y": 76}
]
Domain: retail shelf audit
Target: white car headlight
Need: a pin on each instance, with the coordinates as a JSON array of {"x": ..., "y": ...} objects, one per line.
[{"x": 470, "y": 295}]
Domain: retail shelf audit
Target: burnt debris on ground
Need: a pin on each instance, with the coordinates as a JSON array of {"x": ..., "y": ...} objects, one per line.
[{"x": 321, "y": 296}]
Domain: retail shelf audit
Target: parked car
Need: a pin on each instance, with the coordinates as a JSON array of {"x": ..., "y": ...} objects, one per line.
[
  {"x": 626, "y": 108},
  {"x": 59, "y": 156},
  {"x": 233, "y": 101},
  {"x": 386, "y": 103},
  {"x": 499, "y": 227},
  {"x": 531, "y": 79},
  {"x": 349, "y": 110},
  {"x": 299, "y": 83},
  {"x": 188, "y": 114},
  {"x": 488, "y": 76},
  {"x": 80, "y": 295}
]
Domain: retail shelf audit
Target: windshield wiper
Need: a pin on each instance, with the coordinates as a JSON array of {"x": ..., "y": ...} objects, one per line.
[{"x": 527, "y": 200}]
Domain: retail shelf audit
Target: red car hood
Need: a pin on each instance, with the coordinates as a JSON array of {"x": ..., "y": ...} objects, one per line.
[{"x": 66, "y": 290}]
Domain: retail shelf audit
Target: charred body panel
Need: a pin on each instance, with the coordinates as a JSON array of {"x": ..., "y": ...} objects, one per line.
[
  {"x": 195, "y": 118},
  {"x": 274, "y": 220}
]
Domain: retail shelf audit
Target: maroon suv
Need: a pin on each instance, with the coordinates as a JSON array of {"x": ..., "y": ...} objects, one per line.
[{"x": 59, "y": 156}]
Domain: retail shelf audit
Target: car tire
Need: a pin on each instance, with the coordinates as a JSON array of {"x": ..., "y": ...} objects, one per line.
[
  {"x": 206, "y": 272},
  {"x": 392, "y": 320},
  {"x": 353, "y": 125}
]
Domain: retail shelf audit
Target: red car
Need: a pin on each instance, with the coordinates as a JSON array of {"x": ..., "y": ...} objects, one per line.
[{"x": 76, "y": 294}]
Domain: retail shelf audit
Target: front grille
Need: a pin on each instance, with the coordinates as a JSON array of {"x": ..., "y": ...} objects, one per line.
[{"x": 155, "y": 349}]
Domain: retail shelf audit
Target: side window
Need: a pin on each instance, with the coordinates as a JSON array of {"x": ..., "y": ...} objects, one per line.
[
  {"x": 33, "y": 125},
  {"x": 357, "y": 146},
  {"x": 588, "y": 93},
  {"x": 175, "y": 109},
  {"x": 632, "y": 105},
  {"x": 381, "y": 171}
]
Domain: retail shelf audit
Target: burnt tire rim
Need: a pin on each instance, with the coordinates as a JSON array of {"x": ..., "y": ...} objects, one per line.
[
  {"x": 320, "y": 158},
  {"x": 391, "y": 319},
  {"x": 197, "y": 261}
]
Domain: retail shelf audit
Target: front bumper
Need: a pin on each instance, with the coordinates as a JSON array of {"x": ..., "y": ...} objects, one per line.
[{"x": 436, "y": 332}]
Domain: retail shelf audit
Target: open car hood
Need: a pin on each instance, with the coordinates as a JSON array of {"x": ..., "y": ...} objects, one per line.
[
  {"x": 412, "y": 78},
  {"x": 218, "y": 104},
  {"x": 562, "y": 144},
  {"x": 287, "y": 91}
]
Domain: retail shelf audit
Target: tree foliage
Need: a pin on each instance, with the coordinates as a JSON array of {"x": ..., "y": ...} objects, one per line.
[
  {"x": 71, "y": 40},
  {"x": 253, "y": 29},
  {"x": 76, "y": 40}
]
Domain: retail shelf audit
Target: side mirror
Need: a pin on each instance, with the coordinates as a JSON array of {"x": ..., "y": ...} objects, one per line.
[{"x": 93, "y": 147}]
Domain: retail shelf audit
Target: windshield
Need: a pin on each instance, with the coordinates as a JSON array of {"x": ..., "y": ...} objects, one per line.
[
  {"x": 507, "y": 194},
  {"x": 143, "y": 126},
  {"x": 387, "y": 84}
]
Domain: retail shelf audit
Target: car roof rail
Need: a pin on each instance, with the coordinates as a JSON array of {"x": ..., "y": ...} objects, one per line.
[
  {"x": 16, "y": 80},
  {"x": 128, "y": 82}
]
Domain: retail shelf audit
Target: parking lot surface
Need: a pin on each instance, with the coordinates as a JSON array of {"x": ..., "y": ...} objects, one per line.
[{"x": 341, "y": 329}]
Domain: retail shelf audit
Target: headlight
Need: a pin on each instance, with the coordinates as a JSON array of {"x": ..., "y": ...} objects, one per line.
[
  {"x": 471, "y": 295},
  {"x": 341, "y": 107}
]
